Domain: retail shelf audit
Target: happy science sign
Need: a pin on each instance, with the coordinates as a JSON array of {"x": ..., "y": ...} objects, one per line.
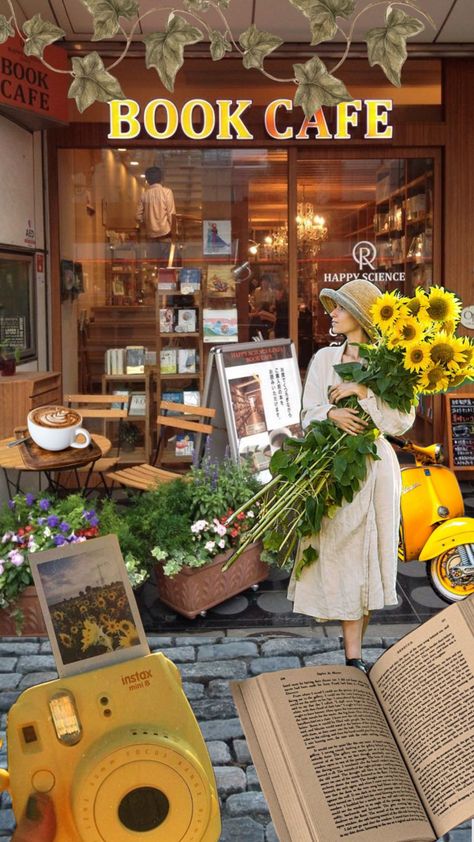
[{"x": 199, "y": 119}]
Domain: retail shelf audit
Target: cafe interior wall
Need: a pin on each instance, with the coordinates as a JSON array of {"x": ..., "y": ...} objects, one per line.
[{"x": 21, "y": 207}]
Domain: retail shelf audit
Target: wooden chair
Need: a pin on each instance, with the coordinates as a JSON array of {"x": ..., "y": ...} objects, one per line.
[
  {"x": 104, "y": 408},
  {"x": 188, "y": 418}
]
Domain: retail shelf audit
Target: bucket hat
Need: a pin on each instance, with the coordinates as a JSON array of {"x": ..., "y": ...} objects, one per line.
[{"x": 357, "y": 297}]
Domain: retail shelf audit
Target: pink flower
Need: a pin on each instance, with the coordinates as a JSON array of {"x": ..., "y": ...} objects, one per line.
[{"x": 16, "y": 558}]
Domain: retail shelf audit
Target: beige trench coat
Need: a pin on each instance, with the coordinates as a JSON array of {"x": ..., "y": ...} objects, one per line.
[{"x": 357, "y": 566}]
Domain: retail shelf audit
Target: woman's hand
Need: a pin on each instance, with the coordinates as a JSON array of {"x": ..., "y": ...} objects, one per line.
[
  {"x": 347, "y": 420},
  {"x": 345, "y": 390},
  {"x": 39, "y": 821}
]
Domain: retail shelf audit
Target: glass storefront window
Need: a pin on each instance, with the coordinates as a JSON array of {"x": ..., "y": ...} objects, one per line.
[
  {"x": 17, "y": 321},
  {"x": 367, "y": 217}
]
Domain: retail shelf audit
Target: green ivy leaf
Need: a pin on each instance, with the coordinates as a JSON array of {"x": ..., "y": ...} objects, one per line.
[
  {"x": 316, "y": 87},
  {"x": 257, "y": 46},
  {"x": 165, "y": 50},
  {"x": 106, "y": 14},
  {"x": 6, "y": 29},
  {"x": 92, "y": 82},
  {"x": 322, "y": 16},
  {"x": 219, "y": 45},
  {"x": 40, "y": 33},
  {"x": 387, "y": 45}
]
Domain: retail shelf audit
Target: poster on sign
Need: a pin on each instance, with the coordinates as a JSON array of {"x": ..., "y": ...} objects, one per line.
[{"x": 255, "y": 388}]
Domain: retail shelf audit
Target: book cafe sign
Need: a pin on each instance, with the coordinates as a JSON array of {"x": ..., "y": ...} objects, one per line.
[
  {"x": 365, "y": 256},
  {"x": 199, "y": 119}
]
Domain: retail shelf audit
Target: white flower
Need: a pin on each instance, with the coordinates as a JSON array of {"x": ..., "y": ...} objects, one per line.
[
  {"x": 7, "y": 537},
  {"x": 222, "y": 544},
  {"x": 32, "y": 546},
  {"x": 220, "y": 529},
  {"x": 47, "y": 532},
  {"x": 199, "y": 526},
  {"x": 209, "y": 546},
  {"x": 250, "y": 514}
]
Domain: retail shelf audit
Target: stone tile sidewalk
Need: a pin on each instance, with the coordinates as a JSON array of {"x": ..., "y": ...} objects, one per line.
[{"x": 207, "y": 663}]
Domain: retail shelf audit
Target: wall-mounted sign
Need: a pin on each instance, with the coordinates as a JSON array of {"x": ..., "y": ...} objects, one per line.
[
  {"x": 467, "y": 317},
  {"x": 30, "y": 236},
  {"x": 13, "y": 331},
  {"x": 365, "y": 256},
  {"x": 26, "y": 84},
  {"x": 225, "y": 120}
]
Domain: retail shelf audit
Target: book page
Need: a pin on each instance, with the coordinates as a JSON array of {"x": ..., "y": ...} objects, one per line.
[
  {"x": 425, "y": 684},
  {"x": 335, "y": 770}
]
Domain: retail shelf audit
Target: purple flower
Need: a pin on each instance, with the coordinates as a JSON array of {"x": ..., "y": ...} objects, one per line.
[
  {"x": 30, "y": 499},
  {"x": 88, "y": 514},
  {"x": 11, "y": 504},
  {"x": 64, "y": 526},
  {"x": 59, "y": 540},
  {"x": 16, "y": 558},
  {"x": 52, "y": 521},
  {"x": 44, "y": 504},
  {"x": 41, "y": 521},
  {"x": 94, "y": 521}
]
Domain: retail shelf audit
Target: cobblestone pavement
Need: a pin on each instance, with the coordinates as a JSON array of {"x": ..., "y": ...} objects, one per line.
[{"x": 207, "y": 663}]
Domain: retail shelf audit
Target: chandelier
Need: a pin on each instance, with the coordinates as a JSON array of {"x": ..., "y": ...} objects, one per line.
[{"x": 311, "y": 231}]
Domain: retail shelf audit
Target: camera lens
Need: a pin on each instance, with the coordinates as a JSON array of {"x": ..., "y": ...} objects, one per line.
[{"x": 144, "y": 808}]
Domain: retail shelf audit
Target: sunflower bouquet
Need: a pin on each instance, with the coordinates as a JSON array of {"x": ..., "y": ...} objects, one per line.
[{"x": 413, "y": 351}]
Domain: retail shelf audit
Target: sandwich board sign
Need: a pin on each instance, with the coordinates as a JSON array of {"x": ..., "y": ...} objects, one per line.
[{"x": 255, "y": 388}]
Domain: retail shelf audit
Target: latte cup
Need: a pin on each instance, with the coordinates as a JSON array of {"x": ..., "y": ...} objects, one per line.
[{"x": 57, "y": 427}]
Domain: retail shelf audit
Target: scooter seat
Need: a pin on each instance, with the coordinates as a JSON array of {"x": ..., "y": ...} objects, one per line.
[{"x": 405, "y": 457}]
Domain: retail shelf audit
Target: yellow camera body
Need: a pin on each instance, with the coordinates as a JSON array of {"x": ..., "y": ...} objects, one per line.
[{"x": 120, "y": 753}]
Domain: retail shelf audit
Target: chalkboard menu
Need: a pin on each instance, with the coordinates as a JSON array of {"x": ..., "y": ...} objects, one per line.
[{"x": 460, "y": 425}]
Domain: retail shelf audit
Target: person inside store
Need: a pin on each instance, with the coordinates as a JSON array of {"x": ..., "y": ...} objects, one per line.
[
  {"x": 262, "y": 303},
  {"x": 282, "y": 319},
  {"x": 356, "y": 569},
  {"x": 156, "y": 214},
  {"x": 38, "y": 824}
]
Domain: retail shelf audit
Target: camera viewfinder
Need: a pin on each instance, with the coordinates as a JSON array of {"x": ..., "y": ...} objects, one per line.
[{"x": 65, "y": 718}]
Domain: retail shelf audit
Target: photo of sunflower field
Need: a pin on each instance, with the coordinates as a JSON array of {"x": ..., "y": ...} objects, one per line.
[{"x": 97, "y": 621}]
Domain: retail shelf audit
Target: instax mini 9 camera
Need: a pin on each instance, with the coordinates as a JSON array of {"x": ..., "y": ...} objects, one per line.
[{"x": 120, "y": 753}]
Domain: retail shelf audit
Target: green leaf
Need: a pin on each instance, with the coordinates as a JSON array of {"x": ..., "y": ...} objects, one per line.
[
  {"x": 40, "y": 33},
  {"x": 106, "y": 14},
  {"x": 387, "y": 45},
  {"x": 92, "y": 82},
  {"x": 322, "y": 15},
  {"x": 257, "y": 46},
  {"x": 219, "y": 45},
  {"x": 6, "y": 29},
  {"x": 165, "y": 50},
  {"x": 316, "y": 87}
]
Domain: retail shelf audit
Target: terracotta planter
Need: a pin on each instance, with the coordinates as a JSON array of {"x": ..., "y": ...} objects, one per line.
[
  {"x": 195, "y": 589},
  {"x": 33, "y": 624}
]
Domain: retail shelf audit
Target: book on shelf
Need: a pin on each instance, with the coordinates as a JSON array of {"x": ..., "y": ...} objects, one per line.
[
  {"x": 221, "y": 281},
  {"x": 122, "y": 393},
  {"x": 137, "y": 404},
  {"x": 172, "y": 397},
  {"x": 115, "y": 361},
  {"x": 166, "y": 319},
  {"x": 186, "y": 321},
  {"x": 191, "y": 397},
  {"x": 150, "y": 358},
  {"x": 189, "y": 280},
  {"x": 135, "y": 359},
  {"x": 220, "y": 325},
  {"x": 187, "y": 360},
  {"x": 184, "y": 444},
  {"x": 168, "y": 360},
  {"x": 167, "y": 279},
  {"x": 345, "y": 755}
]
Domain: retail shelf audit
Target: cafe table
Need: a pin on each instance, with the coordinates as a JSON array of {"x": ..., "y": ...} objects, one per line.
[{"x": 12, "y": 461}]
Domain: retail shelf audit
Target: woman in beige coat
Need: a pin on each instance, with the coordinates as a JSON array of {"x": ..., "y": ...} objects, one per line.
[{"x": 356, "y": 569}]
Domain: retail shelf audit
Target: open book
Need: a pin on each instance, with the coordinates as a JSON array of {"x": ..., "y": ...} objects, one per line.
[{"x": 341, "y": 755}]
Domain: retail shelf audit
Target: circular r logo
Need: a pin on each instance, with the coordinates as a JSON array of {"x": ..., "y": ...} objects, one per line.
[{"x": 365, "y": 253}]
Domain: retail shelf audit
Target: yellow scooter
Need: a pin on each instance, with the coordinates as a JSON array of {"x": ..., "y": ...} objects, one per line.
[{"x": 433, "y": 526}]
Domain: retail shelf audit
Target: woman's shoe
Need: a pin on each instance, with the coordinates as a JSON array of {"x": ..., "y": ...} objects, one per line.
[{"x": 357, "y": 662}]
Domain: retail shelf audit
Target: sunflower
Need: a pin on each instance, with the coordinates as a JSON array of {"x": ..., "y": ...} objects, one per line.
[
  {"x": 447, "y": 350},
  {"x": 460, "y": 377},
  {"x": 434, "y": 379},
  {"x": 386, "y": 310},
  {"x": 129, "y": 638},
  {"x": 65, "y": 640},
  {"x": 443, "y": 306},
  {"x": 467, "y": 350},
  {"x": 408, "y": 330},
  {"x": 93, "y": 635},
  {"x": 417, "y": 356},
  {"x": 418, "y": 305}
]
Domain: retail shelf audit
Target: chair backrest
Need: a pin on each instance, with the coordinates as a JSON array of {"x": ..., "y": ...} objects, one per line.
[
  {"x": 186, "y": 417},
  {"x": 100, "y": 406}
]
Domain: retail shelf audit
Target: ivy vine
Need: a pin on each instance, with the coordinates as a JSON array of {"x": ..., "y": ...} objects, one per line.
[{"x": 316, "y": 85}]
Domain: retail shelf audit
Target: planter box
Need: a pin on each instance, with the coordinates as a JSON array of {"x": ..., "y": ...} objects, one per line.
[
  {"x": 195, "y": 589},
  {"x": 33, "y": 623}
]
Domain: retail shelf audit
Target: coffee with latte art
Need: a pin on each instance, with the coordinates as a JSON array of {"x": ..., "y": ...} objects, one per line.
[{"x": 55, "y": 417}]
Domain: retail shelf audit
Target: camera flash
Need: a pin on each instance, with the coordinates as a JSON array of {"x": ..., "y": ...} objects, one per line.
[{"x": 65, "y": 718}]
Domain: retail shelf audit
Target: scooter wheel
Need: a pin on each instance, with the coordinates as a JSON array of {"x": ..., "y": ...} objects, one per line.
[{"x": 446, "y": 579}]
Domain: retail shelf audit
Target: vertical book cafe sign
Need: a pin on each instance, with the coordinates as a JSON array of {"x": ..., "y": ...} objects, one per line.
[
  {"x": 255, "y": 389},
  {"x": 27, "y": 85}
]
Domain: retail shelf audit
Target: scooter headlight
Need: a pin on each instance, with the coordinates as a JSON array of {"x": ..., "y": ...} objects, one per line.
[
  {"x": 443, "y": 511},
  {"x": 439, "y": 453}
]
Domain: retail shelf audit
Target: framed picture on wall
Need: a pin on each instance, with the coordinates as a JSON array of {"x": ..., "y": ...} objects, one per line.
[{"x": 217, "y": 236}]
